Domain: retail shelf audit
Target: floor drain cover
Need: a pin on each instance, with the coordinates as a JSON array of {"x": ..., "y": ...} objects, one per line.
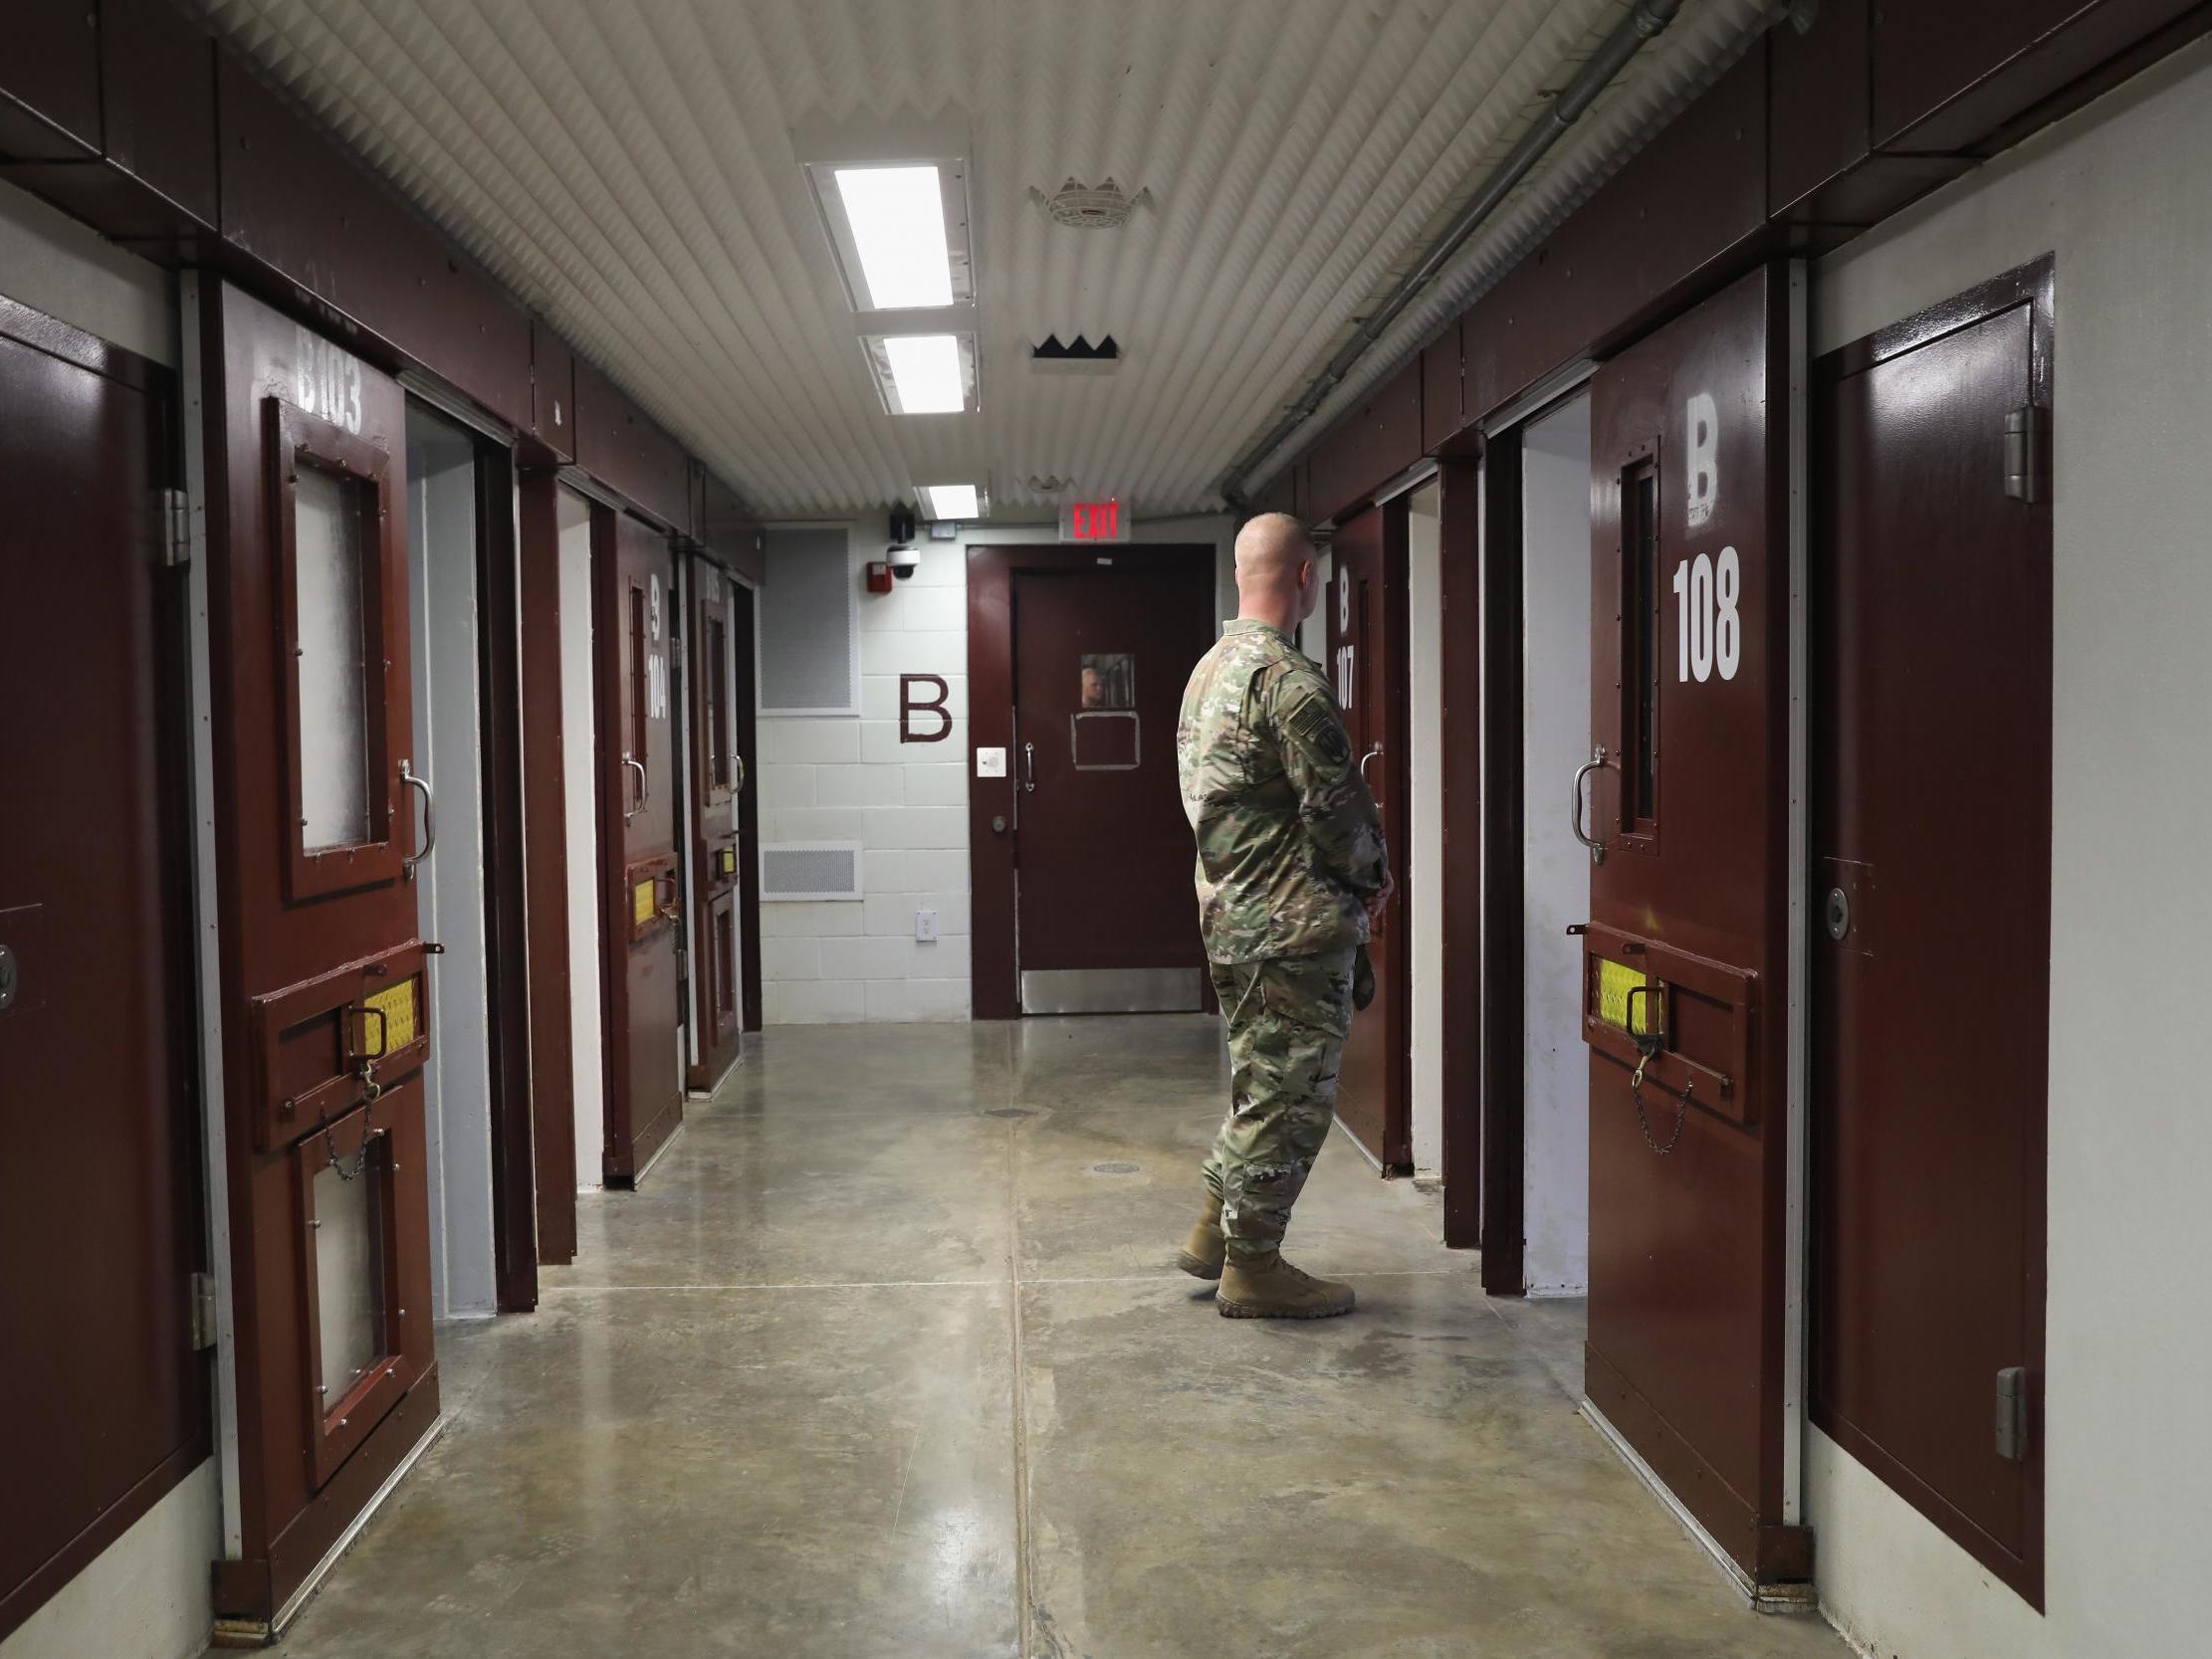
[
  {"x": 1010, "y": 1112},
  {"x": 1116, "y": 1168}
]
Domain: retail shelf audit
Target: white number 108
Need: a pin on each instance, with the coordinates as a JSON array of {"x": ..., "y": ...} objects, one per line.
[{"x": 1708, "y": 629}]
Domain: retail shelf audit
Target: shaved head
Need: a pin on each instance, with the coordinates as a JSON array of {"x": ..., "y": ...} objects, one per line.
[
  {"x": 1272, "y": 547},
  {"x": 1277, "y": 582}
]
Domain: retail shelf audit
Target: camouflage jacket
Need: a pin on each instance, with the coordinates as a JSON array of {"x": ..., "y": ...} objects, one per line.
[{"x": 1289, "y": 841}]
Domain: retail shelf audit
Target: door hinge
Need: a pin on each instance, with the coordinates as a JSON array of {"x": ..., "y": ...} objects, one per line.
[
  {"x": 2012, "y": 1414},
  {"x": 203, "y": 1291},
  {"x": 175, "y": 509},
  {"x": 2028, "y": 454}
]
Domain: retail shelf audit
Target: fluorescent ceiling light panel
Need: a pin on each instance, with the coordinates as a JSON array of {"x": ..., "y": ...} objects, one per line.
[
  {"x": 926, "y": 373},
  {"x": 951, "y": 501},
  {"x": 897, "y": 216}
]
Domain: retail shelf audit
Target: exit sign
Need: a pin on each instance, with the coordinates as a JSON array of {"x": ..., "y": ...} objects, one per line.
[{"x": 1093, "y": 522}]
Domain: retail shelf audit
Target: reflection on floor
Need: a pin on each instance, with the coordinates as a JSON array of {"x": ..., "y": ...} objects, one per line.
[{"x": 888, "y": 1349}]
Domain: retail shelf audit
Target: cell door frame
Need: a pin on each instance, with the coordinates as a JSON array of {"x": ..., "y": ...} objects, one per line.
[
  {"x": 744, "y": 613},
  {"x": 2033, "y": 284},
  {"x": 1495, "y": 1192},
  {"x": 1459, "y": 909},
  {"x": 511, "y": 983},
  {"x": 996, "y": 987}
]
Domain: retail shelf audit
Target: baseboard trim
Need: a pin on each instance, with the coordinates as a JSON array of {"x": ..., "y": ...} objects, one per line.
[
  {"x": 695, "y": 1093},
  {"x": 249, "y": 1633},
  {"x": 1760, "y": 1599},
  {"x": 1353, "y": 1141},
  {"x": 675, "y": 1135}
]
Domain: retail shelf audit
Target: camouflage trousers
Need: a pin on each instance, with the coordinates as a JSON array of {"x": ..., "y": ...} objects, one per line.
[{"x": 1288, "y": 1017}]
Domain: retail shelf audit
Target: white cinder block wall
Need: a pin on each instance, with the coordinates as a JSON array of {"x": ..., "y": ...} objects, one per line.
[{"x": 841, "y": 778}]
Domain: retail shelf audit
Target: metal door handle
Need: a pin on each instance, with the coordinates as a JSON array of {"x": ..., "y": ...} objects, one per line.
[
  {"x": 644, "y": 790},
  {"x": 407, "y": 774},
  {"x": 1574, "y": 810},
  {"x": 737, "y": 773},
  {"x": 1030, "y": 767},
  {"x": 1364, "y": 759}
]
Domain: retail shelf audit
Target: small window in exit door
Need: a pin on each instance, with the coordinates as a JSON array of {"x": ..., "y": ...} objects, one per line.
[{"x": 1109, "y": 680}]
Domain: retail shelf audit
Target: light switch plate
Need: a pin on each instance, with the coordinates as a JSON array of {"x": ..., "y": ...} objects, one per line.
[
  {"x": 991, "y": 762},
  {"x": 925, "y": 927}
]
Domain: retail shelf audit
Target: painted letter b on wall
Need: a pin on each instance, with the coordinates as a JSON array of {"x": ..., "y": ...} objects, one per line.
[{"x": 910, "y": 704}]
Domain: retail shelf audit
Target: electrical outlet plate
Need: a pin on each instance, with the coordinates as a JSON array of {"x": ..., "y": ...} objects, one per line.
[{"x": 925, "y": 927}]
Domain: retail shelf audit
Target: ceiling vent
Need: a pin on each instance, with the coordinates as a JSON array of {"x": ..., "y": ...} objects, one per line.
[
  {"x": 1076, "y": 356},
  {"x": 1104, "y": 206}
]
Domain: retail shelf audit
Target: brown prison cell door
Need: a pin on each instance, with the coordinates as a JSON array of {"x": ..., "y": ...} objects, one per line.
[
  {"x": 1931, "y": 887},
  {"x": 320, "y": 816},
  {"x": 100, "y": 1227},
  {"x": 1366, "y": 666},
  {"x": 718, "y": 658},
  {"x": 1106, "y": 920},
  {"x": 633, "y": 639},
  {"x": 1687, "y": 797}
]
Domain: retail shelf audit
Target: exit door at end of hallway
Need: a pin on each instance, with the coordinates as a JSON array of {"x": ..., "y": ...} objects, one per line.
[{"x": 1106, "y": 919}]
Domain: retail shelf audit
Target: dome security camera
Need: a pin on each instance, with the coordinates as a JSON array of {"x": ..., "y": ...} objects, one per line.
[{"x": 904, "y": 561}]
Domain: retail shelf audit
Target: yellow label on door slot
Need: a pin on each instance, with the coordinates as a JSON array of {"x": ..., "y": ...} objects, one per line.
[
  {"x": 643, "y": 907},
  {"x": 1615, "y": 982},
  {"x": 397, "y": 1028}
]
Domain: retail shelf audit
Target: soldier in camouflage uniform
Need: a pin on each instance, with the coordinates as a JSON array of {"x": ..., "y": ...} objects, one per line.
[{"x": 1291, "y": 875}]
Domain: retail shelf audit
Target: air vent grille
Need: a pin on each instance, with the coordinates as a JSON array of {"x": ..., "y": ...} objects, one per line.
[
  {"x": 1104, "y": 206},
  {"x": 811, "y": 870},
  {"x": 1078, "y": 356},
  {"x": 809, "y": 624}
]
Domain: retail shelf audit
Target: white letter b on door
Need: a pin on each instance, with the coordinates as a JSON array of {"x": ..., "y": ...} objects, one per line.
[{"x": 1702, "y": 485}]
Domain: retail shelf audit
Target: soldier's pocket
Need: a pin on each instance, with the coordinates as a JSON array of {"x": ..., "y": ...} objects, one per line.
[{"x": 1314, "y": 991}]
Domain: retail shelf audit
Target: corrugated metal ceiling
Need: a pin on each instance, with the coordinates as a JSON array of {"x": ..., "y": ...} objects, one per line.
[{"x": 631, "y": 169}]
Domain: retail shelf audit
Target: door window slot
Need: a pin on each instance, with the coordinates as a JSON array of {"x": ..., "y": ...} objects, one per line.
[
  {"x": 1641, "y": 650},
  {"x": 337, "y": 631}
]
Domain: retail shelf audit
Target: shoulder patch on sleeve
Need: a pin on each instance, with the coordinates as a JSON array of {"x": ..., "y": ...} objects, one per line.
[{"x": 1313, "y": 723}]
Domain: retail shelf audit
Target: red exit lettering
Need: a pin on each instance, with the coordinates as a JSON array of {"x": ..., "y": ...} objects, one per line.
[{"x": 1097, "y": 520}]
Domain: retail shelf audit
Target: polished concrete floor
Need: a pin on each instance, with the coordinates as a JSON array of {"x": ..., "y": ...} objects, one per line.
[{"x": 888, "y": 1350}]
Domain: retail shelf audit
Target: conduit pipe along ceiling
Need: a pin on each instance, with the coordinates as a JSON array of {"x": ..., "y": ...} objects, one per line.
[{"x": 641, "y": 175}]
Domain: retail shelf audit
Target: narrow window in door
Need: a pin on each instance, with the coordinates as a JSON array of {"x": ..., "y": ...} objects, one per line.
[
  {"x": 718, "y": 703},
  {"x": 1639, "y": 666},
  {"x": 331, "y": 622},
  {"x": 637, "y": 691},
  {"x": 349, "y": 1250},
  {"x": 726, "y": 962}
]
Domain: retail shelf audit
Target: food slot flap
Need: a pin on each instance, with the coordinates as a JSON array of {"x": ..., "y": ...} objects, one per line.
[
  {"x": 1685, "y": 1019},
  {"x": 319, "y": 1043}
]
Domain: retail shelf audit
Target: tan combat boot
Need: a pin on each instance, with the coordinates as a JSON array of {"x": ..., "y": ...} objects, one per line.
[
  {"x": 1271, "y": 1288},
  {"x": 1202, "y": 1253}
]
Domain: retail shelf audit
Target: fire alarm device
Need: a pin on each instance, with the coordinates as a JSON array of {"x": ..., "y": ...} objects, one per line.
[{"x": 879, "y": 576}]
